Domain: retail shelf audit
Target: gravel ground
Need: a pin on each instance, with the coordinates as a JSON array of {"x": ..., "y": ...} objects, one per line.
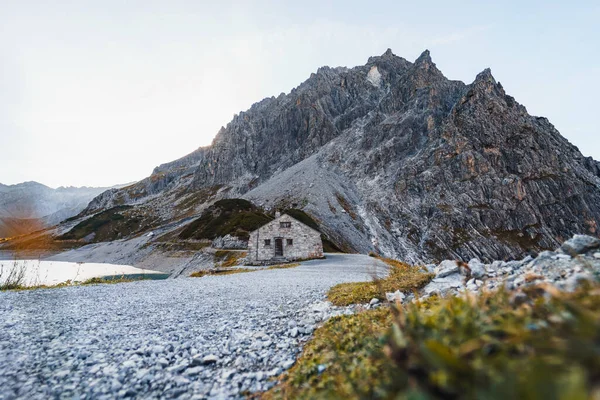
[{"x": 211, "y": 337}]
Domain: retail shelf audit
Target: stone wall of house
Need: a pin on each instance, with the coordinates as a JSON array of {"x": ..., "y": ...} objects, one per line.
[{"x": 306, "y": 242}]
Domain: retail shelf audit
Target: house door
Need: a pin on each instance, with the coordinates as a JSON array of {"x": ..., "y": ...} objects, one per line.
[{"x": 278, "y": 247}]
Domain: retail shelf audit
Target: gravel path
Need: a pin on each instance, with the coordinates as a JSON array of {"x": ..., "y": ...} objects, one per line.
[{"x": 211, "y": 337}]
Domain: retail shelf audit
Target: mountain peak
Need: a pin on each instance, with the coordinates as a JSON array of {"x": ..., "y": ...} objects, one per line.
[
  {"x": 485, "y": 76},
  {"x": 388, "y": 53},
  {"x": 485, "y": 81},
  {"x": 424, "y": 58},
  {"x": 406, "y": 127}
]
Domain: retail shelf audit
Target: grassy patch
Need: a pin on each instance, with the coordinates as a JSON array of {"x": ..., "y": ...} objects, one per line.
[
  {"x": 185, "y": 248},
  {"x": 351, "y": 351},
  {"x": 190, "y": 201},
  {"x": 124, "y": 279},
  {"x": 20, "y": 288},
  {"x": 545, "y": 346},
  {"x": 403, "y": 277},
  {"x": 111, "y": 224},
  {"x": 236, "y": 217},
  {"x": 284, "y": 266},
  {"x": 218, "y": 272}
]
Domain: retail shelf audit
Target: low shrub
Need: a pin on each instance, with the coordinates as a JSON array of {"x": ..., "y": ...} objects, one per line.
[
  {"x": 350, "y": 350},
  {"x": 469, "y": 347}
]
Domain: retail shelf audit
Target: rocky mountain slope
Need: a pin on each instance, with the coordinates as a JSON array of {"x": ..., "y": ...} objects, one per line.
[
  {"x": 30, "y": 206},
  {"x": 392, "y": 157}
]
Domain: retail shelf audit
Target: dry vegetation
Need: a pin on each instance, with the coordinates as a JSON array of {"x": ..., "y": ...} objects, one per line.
[
  {"x": 478, "y": 347},
  {"x": 402, "y": 276},
  {"x": 284, "y": 266},
  {"x": 218, "y": 272},
  {"x": 230, "y": 270},
  {"x": 228, "y": 258},
  {"x": 14, "y": 279}
]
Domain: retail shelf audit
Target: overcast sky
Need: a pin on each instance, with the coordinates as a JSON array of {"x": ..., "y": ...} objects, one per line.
[{"x": 98, "y": 93}]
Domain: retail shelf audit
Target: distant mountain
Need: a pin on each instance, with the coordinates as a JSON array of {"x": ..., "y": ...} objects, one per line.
[
  {"x": 392, "y": 157},
  {"x": 30, "y": 206}
]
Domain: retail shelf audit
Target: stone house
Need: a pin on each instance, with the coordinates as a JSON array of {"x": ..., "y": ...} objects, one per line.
[{"x": 282, "y": 240}]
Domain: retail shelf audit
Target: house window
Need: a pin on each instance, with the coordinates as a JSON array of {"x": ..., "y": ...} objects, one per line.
[
  {"x": 267, "y": 242},
  {"x": 285, "y": 224},
  {"x": 290, "y": 242}
]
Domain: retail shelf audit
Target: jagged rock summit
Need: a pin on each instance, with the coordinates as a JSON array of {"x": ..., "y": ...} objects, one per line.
[{"x": 394, "y": 157}]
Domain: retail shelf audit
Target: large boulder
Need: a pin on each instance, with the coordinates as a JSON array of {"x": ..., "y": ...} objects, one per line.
[
  {"x": 580, "y": 244},
  {"x": 477, "y": 268},
  {"x": 446, "y": 268}
]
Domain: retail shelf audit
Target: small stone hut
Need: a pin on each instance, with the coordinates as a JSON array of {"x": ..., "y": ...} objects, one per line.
[{"x": 284, "y": 239}]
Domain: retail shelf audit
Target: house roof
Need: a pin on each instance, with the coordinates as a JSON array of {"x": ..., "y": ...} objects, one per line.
[{"x": 289, "y": 216}]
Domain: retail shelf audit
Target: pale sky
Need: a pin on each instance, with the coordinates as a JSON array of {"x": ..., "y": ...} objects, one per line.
[{"x": 98, "y": 93}]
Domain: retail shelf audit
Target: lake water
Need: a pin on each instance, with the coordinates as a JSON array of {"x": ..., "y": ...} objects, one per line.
[{"x": 36, "y": 272}]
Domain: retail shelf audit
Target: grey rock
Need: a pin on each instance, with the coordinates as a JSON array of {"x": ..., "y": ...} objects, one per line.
[
  {"x": 430, "y": 268},
  {"x": 580, "y": 244},
  {"x": 210, "y": 359},
  {"x": 193, "y": 371},
  {"x": 467, "y": 158},
  {"x": 446, "y": 268},
  {"x": 477, "y": 268},
  {"x": 374, "y": 301},
  {"x": 445, "y": 285},
  {"x": 162, "y": 362},
  {"x": 496, "y": 265},
  {"x": 396, "y": 296}
]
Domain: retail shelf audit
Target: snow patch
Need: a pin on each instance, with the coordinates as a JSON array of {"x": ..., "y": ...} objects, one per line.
[{"x": 374, "y": 76}]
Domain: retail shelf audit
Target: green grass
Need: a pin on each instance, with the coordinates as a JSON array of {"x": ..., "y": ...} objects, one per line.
[
  {"x": 546, "y": 346},
  {"x": 351, "y": 350},
  {"x": 111, "y": 224},
  {"x": 236, "y": 217},
  {"x": 403, "y": 277},
  {"x": 239, "y": 217}
]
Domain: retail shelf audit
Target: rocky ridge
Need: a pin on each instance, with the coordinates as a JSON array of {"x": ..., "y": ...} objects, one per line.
[{"x": 393, "y": 157}]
